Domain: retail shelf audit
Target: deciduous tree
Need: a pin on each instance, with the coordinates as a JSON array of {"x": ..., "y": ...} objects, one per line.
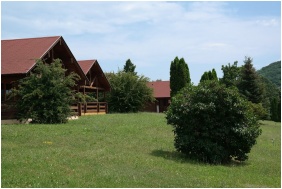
[
  {"x": 129, "y": 92},
  {"x": 46, "y": 94},
  {"x": 231, "y": 74}
]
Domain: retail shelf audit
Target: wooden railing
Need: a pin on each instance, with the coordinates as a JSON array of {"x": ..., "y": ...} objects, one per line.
[
  {"x": 9, "y": 110},
  {"x": 89, "y": 108}
]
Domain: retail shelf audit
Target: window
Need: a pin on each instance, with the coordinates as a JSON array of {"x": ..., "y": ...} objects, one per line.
[{"x": 6, "y": 89}]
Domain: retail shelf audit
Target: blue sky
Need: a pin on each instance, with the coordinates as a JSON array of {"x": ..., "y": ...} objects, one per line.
[{"x": 206, "y": 34}]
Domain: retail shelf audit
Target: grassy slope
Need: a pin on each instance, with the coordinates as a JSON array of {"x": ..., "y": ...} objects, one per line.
[{"x": 125, "y": 150}]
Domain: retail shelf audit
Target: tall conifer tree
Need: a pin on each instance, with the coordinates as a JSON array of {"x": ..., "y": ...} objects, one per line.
[
  {"x": 210, "y": 75},
  {"x": 129, "y": 67},
  {"x": 249, "y": 84},
  {"x": 214, "y": 75},
  {"x": 179, "y": 75},
  {"x": 274, "y": 110}
]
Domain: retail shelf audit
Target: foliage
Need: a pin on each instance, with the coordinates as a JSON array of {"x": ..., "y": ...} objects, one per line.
[
  {"x": 179, "y": 75},
  {"x": 210, "y": 75},
  {"x": 214, "y": 75},
  {"x": 271, "y": 92},
  {"x": 272, "y": 72},
  {"x": 259, "y": 111},
  {"x": 204, "y": 77},
  {"x": 231, "y": 74},
  {"x": 279, "y": 107},
  {"x": 275, "y": 110},
  {"x": 249, "y": 85},
  {"x": 46, "y": 95},
  {"x": 129, "y": 67},
  {"x": 271, "y": 78},
  {"x": 129, "y": 92},
  {"x": 256, "y": 88},
  {"x": 212, "y": 123}
]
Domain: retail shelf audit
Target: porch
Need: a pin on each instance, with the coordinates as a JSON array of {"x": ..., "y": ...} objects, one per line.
[
  {"x": 89, "y": 108},
  {"x": 9, "y": 110}
]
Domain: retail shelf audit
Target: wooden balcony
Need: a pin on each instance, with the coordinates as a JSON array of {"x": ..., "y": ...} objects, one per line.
[
  {"x": 90, "y": 108},
  {"x": 9, "y": 110}
]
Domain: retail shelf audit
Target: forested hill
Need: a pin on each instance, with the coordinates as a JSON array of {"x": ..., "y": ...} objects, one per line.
[{"x": 272, "y": 72}]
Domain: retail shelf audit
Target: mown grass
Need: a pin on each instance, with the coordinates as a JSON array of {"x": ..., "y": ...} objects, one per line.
[{"x": 125, "y": 150}]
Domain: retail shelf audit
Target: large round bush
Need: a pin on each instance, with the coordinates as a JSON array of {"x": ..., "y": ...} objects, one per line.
[{"x": 212, "y": 123}]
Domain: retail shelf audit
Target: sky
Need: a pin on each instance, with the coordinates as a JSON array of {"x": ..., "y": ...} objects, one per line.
[{"x": 152, "y": 33}]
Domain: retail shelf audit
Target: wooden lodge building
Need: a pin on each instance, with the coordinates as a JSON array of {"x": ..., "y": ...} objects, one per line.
[
  {"x": 161, "y": 92},
  {"x": 19, "y": 59},
  {"x": 95, "y": 84}
]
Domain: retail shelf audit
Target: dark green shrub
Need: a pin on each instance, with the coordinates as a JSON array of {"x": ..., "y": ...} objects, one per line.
[
  {"x": 45, "y": 95},
  {"x": 274, "y": 110},
  {"x": 212, "y": 123}
]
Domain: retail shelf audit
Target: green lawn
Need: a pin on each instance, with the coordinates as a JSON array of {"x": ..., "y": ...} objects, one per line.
[{"x": 125, "y": 150}]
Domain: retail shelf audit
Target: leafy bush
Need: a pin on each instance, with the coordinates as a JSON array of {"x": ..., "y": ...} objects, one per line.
[
  {"x": 129, "y": 92},
  {"x": 46, "y": 94},
  {"x": 259, "y": 111},
  {"x": 212, "y": 123}
]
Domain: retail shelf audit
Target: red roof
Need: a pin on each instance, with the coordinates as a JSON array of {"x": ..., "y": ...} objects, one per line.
[
  {"x": 18, "y": 55},
  {"x": 161, "y": 89},
  {"x": 86, "y": 65}
]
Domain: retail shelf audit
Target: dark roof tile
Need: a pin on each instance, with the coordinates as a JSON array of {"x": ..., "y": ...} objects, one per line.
[
  {"x": 86, "y": 65},
  {"x": 19, "y": 55}
]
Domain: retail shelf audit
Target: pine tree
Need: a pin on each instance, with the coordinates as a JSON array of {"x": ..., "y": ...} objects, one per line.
[
  {"x": 129, "y": 67},
  {"x": 174, "y": 76},
  {"x": 210, "y": 75},
  {"x": 204, "y": 77},
  {"x": 249, "y": 84},
  {"x": 183, "y": 73},
  {"x": 214, "y": 75}
]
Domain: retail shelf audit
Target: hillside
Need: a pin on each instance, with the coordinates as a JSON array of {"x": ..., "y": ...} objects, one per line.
[{"x": 272, "y": 72}]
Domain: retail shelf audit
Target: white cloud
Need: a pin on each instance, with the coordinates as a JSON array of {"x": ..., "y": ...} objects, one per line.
[
  {"x": 268, "y": 22},
  {"x": 150, "y": 33}
]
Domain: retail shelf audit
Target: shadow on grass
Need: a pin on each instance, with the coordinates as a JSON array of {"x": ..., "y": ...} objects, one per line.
[
  {"x": 172, "y": 155},
  {"x": 182, "y": 158}
]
